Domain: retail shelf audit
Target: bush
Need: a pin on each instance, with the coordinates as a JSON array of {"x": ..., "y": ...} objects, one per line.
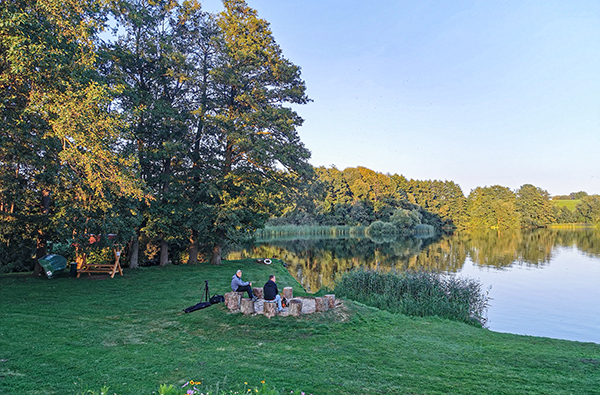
[
  {"x": 379, "y": 228},
  {"x": 417, "y": 294}
]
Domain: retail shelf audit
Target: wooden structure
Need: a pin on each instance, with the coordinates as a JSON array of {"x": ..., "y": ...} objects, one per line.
[
  {"x": 288, "y": 293},
  {"x": 233, "y": 300},
  {"x": 331, "y": 299},
  {"x": 247, "y": 306},
  {"x": 270, "y": 308},
  {"x": 258, "y": 292},
  {"x": 321, "y": 304},
  {"x": 295, "y": 307},
  {"x": 83, "y": 266}
]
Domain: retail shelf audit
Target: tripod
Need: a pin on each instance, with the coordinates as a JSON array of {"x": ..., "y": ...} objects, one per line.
[{"x": 206, "y": 293}]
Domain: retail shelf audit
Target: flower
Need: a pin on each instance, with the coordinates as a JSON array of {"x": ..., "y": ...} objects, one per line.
[{"x": 262, "y": 381}]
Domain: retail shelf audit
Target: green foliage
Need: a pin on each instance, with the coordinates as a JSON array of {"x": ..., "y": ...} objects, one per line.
[
  {"x": 379, "y": 229},
  {"x": 493, "y": 207},
  {"x": 588, "y": 209},
  {"x": 419, "y": 294},
  {"x": 534, "y": 207}
]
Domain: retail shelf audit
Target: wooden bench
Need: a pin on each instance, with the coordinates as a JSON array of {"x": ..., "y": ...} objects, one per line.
[{"x": 110, "y": 268}]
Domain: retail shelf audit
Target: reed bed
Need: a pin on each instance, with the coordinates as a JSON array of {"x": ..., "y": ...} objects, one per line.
[
  {"x": 418, "y": 293},
  {"x": 286, "y": 231}
]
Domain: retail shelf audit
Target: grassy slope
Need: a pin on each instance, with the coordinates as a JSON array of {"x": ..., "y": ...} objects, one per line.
[
  {"x": 64, "y": 335},
  {"x": 570, "y": 204}
]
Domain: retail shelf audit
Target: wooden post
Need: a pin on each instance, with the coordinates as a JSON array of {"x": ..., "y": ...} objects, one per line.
[
  {"x": 247, "y": 306},
  {"x": 288, "y": 293},
  {"x": 270, "y": 308},
  {"x": 295, "y": 308},
  {"x": 233, "y": 300},
  {"x": 258, "y": 292},
  {"x": 331, "y": 299},
  {"x": 321, "y": 304}
]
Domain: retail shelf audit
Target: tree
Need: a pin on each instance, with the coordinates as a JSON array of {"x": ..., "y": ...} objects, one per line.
[
  {"x": 153, "y": 63},
  {"x": 588, "y": 210},
  {"x": 492, "y": 207},
  {"x": 249, "y": 133},
  {"x": 534, "y": 206},
  {"x": 55, "y": 119}
]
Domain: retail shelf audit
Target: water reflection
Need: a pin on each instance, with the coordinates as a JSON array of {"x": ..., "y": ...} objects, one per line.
[{"x": 315, "y": 262}]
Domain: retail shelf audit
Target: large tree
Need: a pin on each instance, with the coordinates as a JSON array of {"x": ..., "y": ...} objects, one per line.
[
  {"x": 255, "y": 148},
  {"x": 534, "y": 206},
  {"x": 55, "y": 117}
]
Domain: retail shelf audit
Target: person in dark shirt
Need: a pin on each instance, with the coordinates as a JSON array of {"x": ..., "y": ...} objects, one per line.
[{"x": 272, "y": 293}]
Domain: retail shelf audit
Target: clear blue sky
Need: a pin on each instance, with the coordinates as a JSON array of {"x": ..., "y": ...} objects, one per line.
[{"x": 477, "y": 92}]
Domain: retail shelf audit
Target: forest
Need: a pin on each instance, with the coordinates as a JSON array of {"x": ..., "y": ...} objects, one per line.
[
  {"x": 360, "y": 196},
  {"x": 171, "y": 129}
]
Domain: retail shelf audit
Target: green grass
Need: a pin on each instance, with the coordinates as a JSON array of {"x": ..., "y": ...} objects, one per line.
[
  {"x": 568, "y": 203},
  {"x": 63, "y": 336}
]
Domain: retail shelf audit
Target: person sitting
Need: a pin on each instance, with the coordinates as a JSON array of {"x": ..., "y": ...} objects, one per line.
[
  {"x": 272, "y": 293},
  {"x": 237, "y": 285}
]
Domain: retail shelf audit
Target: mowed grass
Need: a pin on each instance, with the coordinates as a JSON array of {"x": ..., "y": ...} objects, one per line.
[
  {"x": 64, "y": 335},
  {"x": 568, "y": 203}
]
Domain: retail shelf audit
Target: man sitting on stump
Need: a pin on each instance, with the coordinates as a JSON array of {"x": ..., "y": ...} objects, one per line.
[
  {"x": 237, "y": 285},
  {"x": 272, "y": 293}
]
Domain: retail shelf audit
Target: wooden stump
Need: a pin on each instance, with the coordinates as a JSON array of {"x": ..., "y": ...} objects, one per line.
[
  {"x": 270, "y": 308},
  {"x": 331, "y": 299},
  {"x": 247, "y": 306},
  {"x": 258, "y": 292},
  {"x": 288, "y": 293},
  {"x": 295, "y": 307},
  {"x": 321, "y": 304},
  {"x": 233, "y": 300}
]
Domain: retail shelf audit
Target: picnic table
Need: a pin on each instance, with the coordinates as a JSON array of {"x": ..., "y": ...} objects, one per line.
[{"x": 83, "y": 266}]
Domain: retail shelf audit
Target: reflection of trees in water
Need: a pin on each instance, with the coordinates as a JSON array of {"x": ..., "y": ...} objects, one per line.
[{"x": 315, "y": 262}]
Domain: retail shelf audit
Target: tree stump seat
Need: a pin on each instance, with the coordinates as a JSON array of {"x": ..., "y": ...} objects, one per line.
[
  {"x": 247, "y": 306},
  {"x": 295, "y": 307},
  {"x": 270, "y": 308},
  {"x": 233, "y": 300},
  {"x": 321, "y": 304}
]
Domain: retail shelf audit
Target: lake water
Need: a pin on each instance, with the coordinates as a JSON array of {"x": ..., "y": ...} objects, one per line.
[{"x": 543, "y": 283}]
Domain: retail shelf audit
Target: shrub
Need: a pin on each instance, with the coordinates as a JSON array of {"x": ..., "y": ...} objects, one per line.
[
  {"x": 379, "y": 228},
  {"x": 417, "y": 294}
]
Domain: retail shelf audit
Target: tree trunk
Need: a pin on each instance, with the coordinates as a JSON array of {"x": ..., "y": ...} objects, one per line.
[
  {"x": 295, "y": 308},
  {"x": 193, "y": 251},
  {"x": 134, "y": 251},
  {"x": 321, "y": 304},
  {"x": 331, "y": 300},
  {"x": 247, "y": 306},
  {"x": 164, "y": 252},
  {"x": 270, "y": 308},
  {"x": 233, "y": 300},
  {"x": 41, "y": 246},
  {"x": 215, "y": 258}
]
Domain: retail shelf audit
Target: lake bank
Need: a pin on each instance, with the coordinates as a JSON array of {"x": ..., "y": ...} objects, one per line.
[
  {"x": 542, "y": 282},
  {"x": 59, "y": 336}
]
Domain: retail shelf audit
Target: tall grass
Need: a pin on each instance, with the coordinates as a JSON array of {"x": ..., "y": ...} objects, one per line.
[
  {"x": 276, "y": 232},
  {"x": 417, "y": 294}
]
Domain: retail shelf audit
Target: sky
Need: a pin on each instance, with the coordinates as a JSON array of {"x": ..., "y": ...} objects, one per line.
[{"x": 480, "y": 93}]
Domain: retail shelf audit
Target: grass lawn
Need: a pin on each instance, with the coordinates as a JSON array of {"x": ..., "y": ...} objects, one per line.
[
  {"x": 65, "y": 335},
  {"x": 568, "y": 203}
]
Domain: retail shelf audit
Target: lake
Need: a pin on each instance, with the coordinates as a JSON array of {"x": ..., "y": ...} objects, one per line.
[{"x": 544, "y": 282}]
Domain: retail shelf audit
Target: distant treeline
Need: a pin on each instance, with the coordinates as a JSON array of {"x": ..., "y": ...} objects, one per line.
[{"x": 358, "y": 196}]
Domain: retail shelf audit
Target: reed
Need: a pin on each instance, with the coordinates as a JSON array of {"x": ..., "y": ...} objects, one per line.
[
  {"x": 419, "y": 294},
  {"x": 286, "y": 231}
]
